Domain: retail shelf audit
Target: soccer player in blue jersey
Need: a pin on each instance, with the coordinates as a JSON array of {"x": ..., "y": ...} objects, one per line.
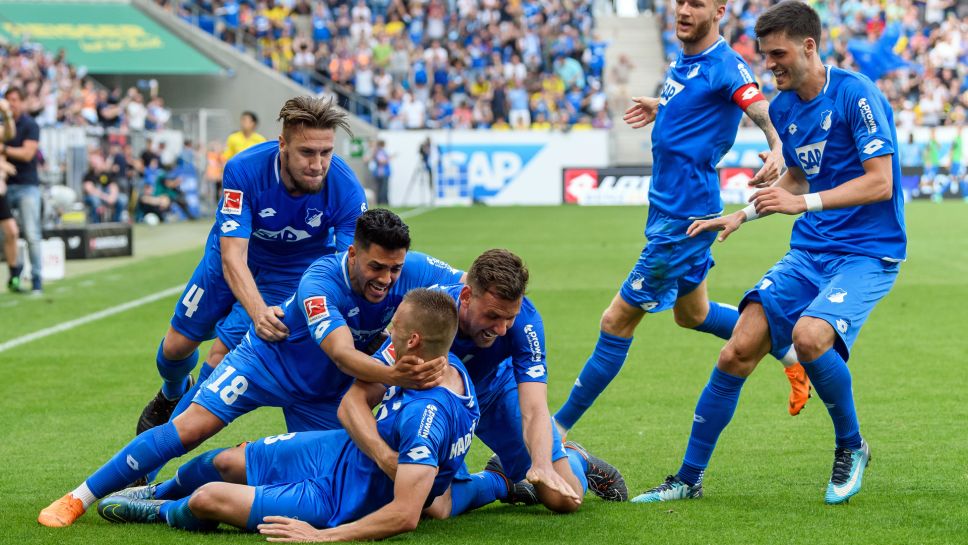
[
  {"x": 501, "y": 342},
  {"x": 706, "y": 91},
  {"x": 343, "y": 301},
  {"x": 281, "y": 205},
  {"x": 322, "y": 478},
  {"x": 840, "y": 148}
]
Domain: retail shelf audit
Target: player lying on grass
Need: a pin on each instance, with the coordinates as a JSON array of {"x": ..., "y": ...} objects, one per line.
[
  {"x": 501, "y": 341},
  {"x": 284, "y": 204},
  {"x": 322, "y": 478},
  {"x": 343, "y": 301},
  {"x": 843, "y": 176}
]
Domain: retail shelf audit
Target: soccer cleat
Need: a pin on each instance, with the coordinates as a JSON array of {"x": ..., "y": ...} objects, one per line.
[
  {"x": 671, "y": 489},
  {"x": 847, "y": 474},
  {"x": 519, "y": 493},
  {"x": 799, "y": 388},
  {"x": 138, "y": 492},
  {"x": 121, "y": 509},
  {"x": 158, "y": 410},
  {"x": 14, "y": 284},
  {"x": 604, "y": 479},
  {"x": 62, "y": 512}
]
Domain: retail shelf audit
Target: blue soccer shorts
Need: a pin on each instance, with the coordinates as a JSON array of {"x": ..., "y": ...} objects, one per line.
[
  {"x": 206, "y": 300},
  {"x": 241, "y": 384},
  {"x": 500, "y": 429},
  {"x": 841, "y": 289},
  {"x": 671, "y": 265},
  {"x": 274, "y": 286}
]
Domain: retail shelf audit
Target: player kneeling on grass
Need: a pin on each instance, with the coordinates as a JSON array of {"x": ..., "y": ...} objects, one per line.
[{"x": 322, "y": 478}]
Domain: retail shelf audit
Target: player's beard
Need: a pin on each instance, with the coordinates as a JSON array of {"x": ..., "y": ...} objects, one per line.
[
  {"x": 297, "y": 181},
  {"x": 699, "y": 31}
]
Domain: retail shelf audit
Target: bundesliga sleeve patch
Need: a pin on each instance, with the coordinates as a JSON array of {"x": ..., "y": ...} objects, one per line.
[
  {"x": 389, "y": 354},
  {"x": 316, "y": 309},
  {"x": 232, "y": 202},
  {"x": 746, "y": 95}
]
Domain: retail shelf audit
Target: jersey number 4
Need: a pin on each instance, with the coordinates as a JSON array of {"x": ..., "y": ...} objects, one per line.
[{"x": 192, "y": 298}]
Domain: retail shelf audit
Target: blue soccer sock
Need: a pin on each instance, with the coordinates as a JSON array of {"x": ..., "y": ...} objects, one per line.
[
  {"x": 174, "y": 372},
  {"x": 178, "y": 515},
  {"x": 603, "y": 365},
  {"x": 831, "y": 380},
  {"x": 720, "y": 320},
  {"x": 579, "y": 466},
  {"x": 481, "y": 489},
  {"x": 190, "y": 476},
  {"x": 203, "y": 373},
  {"x": 715, "y": 408},
  {"x": 146, "y": 452}
]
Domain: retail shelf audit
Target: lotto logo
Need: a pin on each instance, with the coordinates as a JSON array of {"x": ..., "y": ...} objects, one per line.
[
  {"x": 418, "y": 453},
  {"x": 873, "y": 146},
  {"x": 316, "y": 309},
  {"x": 230, "y": 226},
  {"x": 232, "y": 202}
]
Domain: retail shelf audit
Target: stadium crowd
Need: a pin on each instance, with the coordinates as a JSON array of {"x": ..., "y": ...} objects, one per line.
[
  {"x": 461, "y": 64},
  {"x": 917, "y": 51}
]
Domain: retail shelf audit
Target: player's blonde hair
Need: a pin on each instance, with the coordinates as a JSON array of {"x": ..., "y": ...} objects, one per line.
[
  {"x": 312, "y": 113},
  {"x": 433, "y": 315}
]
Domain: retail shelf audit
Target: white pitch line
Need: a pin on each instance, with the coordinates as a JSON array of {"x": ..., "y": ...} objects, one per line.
[
  {"x": 414, "y": 212},
  {"x": 71, "y": 324}
]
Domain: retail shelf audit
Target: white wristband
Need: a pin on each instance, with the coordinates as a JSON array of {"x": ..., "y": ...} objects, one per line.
[
  {"x": 750, "y": 213},
  {"x": 814, "y": 203}
]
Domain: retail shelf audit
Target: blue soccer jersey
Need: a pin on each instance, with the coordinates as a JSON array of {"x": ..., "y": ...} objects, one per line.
[
  {"x": 324, "y": 479},
  {"x": 695, "y": 126},
  {"x": 324, "y": 302},
  {"x": 285, "y": 232},
  {"x": 829, "y": 138},
  {"x": 520, "y": 351}
]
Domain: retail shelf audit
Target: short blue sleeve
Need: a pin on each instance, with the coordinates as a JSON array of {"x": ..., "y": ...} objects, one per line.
[
  {"x": 422, "y": 429},
  {"x": 529, "y": 357},
  {"x": 731, "y": 75},
  {"x": 864, "y": 111},
  {"x": 234, "y": 212},
  {"x": 434, "y": 272}
]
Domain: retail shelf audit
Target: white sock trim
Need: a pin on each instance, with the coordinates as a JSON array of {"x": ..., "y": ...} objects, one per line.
[{"x": 84, "y": 494}]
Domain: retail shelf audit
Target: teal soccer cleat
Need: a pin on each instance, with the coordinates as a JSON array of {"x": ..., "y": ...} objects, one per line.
[
  {"x": 672, "y": 489},
  {"x": 847, "y": 474},
  {"x": 126, "y": 509}
]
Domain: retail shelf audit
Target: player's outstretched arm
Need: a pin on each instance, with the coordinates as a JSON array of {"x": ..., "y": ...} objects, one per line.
[
  {"x": 235, "y": 267},
  {"x": 408, "y": 372},
  {"x": 401, "y": 515},
  {"x": 356, "y": 415},
  {"x": 772, "y": 168},
  {"x": 536, "y": 427},
  {"x": 642, "y": 112}
]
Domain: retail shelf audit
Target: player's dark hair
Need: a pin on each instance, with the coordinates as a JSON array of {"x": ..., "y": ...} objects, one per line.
[
  {"x": 312, "y": 113},
  {"x": 251, "y": 115},
  {"x": 382, "y": 227},
  {"x": 794, "y": 18},
  {"x": 499, "y": 272},
  {"x": 433, "y": 314},
  {"x": 14, "y": 90}
]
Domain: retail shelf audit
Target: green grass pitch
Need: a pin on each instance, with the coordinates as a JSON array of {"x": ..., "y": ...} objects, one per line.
[{"x": 68, "y": 401}]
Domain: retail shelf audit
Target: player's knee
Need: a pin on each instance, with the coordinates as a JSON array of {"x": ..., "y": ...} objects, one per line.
[
  {"x": 619, "y": 321},
  {"x": 177, "y": 346},
  {"x": 687, "y": 317},
  {"x": 230, "y": 464},
  {"x": 205, "y": 502},
  {"x": 736, "y": 359},
  {"x": 194, "y": 426},
  {"x": 812, "y": 338}
]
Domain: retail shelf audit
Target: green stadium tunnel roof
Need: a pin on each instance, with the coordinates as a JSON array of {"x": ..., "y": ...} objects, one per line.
[{"x": 105, "y": 37}]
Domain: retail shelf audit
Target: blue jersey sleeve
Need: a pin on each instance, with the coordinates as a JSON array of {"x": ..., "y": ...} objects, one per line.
[
  {"x": 434, "y": 272},
  {"x": 529, "y": 357},
  {"x": 234, "y": 212},
  {"x": 351, "y": 203},
  {"x": 386, "y": 355},
  {"x": 422, "y": 429},
  {"x": 731, "y": 76},
  {"x": 865, "y": 115},
  {"x": 318, "y": 301}
]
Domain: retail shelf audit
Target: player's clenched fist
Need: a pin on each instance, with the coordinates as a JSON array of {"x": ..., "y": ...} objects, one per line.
[
  {"x": 269, "y": 326},
  {"x": 778, "y": 200},
  {"x": 416, "y": 374}
]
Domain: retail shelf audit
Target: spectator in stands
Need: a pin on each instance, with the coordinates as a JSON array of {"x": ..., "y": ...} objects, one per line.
[
  {"x": 8, "y": 224},
  {"x": 243, "y": 138},
  {"x": 102, "y": 193},
  {"x": 23, "y": 187},
  {"x": 379, "y": 162}
]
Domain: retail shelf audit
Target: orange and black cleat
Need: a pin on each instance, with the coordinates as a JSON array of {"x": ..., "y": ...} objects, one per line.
[
  {"x": 62, "y": 512},
  {"x": 799, "y": 388}
]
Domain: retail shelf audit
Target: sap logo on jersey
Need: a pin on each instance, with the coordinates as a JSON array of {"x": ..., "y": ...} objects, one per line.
[
  {"x": 314, "y": 217},
  {"x": 810, "y": 157},
  {"x": 670, "y": 89},
  {"x": 232, "y": 202},
  {"x": 286, "y": 234},
  {"x": 316, "y": 309}
]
